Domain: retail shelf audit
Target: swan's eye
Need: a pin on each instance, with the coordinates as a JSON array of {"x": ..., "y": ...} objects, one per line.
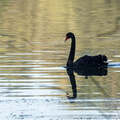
[{"x": 68, "y": 36}]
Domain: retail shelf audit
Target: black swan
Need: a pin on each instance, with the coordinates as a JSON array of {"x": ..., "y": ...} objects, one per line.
[{"x": 85, "y": 61}]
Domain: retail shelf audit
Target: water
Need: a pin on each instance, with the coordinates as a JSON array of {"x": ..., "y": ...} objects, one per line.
[{"x": 34, "y": 85}]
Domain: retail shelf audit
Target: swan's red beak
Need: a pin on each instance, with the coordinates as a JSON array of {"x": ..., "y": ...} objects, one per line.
[{"x": 66, "y": 38}]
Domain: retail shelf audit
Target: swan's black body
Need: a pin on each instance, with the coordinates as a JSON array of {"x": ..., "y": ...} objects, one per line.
[{"x": 85, "y": 61}]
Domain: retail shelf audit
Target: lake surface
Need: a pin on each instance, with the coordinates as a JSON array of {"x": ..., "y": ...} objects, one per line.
[{"x": 34, "y": 84}]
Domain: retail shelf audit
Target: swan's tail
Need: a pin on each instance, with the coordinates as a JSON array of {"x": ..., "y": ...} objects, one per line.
[{"x": 100, "y": 59}]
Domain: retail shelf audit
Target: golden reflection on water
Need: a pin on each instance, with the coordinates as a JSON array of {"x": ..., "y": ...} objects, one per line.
[{"x": 32, "y": 53}]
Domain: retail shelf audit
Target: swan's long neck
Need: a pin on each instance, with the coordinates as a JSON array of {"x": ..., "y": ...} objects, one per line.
[{"x": 72, "y": 52}]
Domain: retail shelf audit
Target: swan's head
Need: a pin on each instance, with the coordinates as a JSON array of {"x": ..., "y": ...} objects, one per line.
[{"x": 69, "y": 35}]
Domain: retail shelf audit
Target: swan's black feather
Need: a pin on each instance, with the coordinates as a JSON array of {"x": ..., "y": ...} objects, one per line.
[{"x": 98, "y": 60}]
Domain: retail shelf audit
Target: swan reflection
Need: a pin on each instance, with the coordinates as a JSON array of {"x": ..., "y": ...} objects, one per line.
[{"x": 90, "y": 71}]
